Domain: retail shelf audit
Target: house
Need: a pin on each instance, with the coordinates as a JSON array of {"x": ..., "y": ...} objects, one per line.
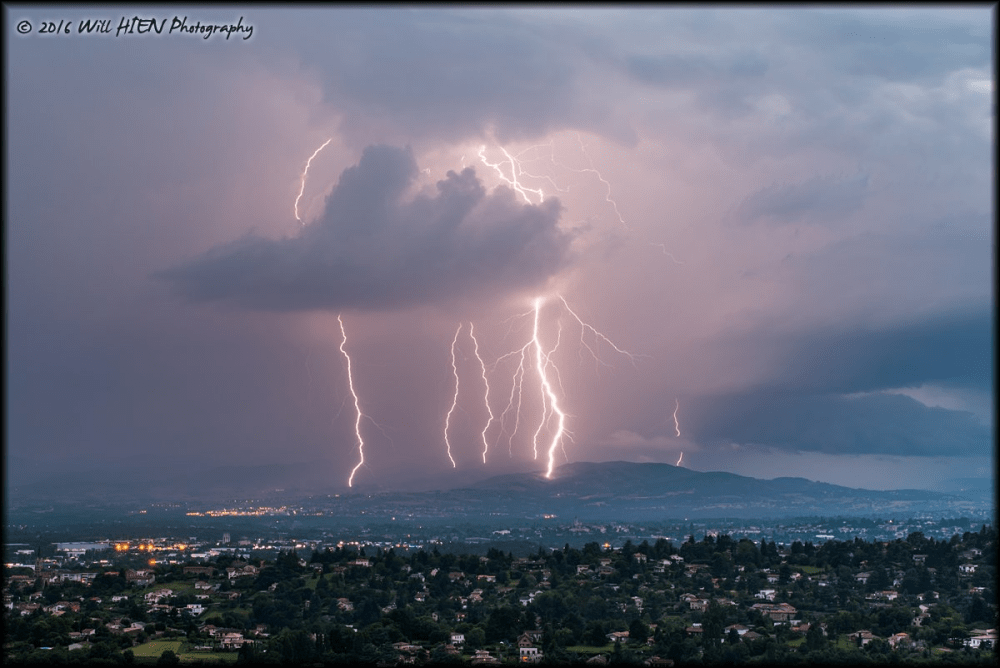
[
  {"x": 483, "y": 658},
  {"x": 140, "y": 578},
  {"x": 529, "y": 655},
  {"x": 232, "y": 640},
  {"x": 983, "y": 640},
  {"x": 863, "y": 637},
  {"x": 158, "y": 595},
  {"x": 457, "y": 639},
  {"x": 766, "y": 594},
  {"x": 898, "y": 640},
  {"x": 248, "y": 570},
  {"x": 781, "y": 612},
  {"x": 967, "y": 569}
]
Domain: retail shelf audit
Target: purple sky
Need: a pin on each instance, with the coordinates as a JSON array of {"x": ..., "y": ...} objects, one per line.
[{"x": 784, "y": 216}]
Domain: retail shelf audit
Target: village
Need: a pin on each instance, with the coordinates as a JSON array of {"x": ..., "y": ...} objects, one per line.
[{"x": 714, "y": 600}]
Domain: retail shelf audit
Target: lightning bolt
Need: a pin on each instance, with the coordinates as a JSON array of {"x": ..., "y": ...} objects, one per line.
[
  {"x": 679, "y": 460},
  {"x": 677, "y": 425},
  {"x": 516, "y": 385},
  {"x": 515, "y": 170},
  {"x": 607, "y": 184},
  {"x": 486, "y": 398},
  {"x": 541, "y": 364},
  {"x": 598, "y": 335},
  {"x": 663, "y": 247},
  {"x": 305, "y": 172},
  {"x": 357, "y": 405},
  {"x": 447, "y": 419},
  {"x": 545, "y": 368}
]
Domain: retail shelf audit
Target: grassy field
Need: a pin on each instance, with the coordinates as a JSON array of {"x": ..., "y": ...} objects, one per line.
[
  {"x": 209, "y": 657},
  {"x": 587, "y": 649},
  {"x": 153, "y": 650},
  {"x": 810, "y": 570},
  {"x": 157, "y": 647}
]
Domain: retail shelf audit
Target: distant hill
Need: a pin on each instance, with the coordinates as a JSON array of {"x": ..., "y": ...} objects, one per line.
[
  {"x": 625, "y": 490},
  {"x": 585, "y": 490}
]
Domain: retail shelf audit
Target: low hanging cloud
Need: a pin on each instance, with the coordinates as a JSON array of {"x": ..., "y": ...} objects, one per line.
[
  {"x": 374, "y": 248},
  {"x": 838, "y": 424}
]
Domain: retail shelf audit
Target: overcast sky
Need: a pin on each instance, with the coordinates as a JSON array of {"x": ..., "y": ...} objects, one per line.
[{"x": 780, "y": 219}]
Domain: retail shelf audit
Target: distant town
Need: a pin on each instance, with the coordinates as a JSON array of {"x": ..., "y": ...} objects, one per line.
[{"x": 553, "y": 590}]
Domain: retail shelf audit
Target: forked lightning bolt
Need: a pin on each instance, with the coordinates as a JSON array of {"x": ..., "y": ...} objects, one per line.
[
  {"x": 357, "y": 405},
  {"x": 541, "y": 364},
  {"x": 607, "y": 196},
  {"x": 515, "y": 171},
  {"x": 545, "y": 368},
  {"x": 305, "y": 172},
  {"x": 584, "y": 326}
]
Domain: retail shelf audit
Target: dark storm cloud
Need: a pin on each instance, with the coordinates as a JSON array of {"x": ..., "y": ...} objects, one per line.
[
  {"x": 374, "y": 249},
  {"x": 669, "y": 70},
  {"x": 947, "y": 349},
  {"x": 893, "y": 46},
  {"x": 449, "y": 75},
  {"x": 873, "y": 424},
  {"x": 831, "y": 392},
  {"x": 818, "y": 199}
]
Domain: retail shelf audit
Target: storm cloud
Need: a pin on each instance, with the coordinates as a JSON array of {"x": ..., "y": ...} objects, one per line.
[{"x": 376, "y": 249}]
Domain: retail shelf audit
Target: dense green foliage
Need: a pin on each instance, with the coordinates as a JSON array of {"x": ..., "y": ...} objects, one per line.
[{"x": 700, "y": 602}]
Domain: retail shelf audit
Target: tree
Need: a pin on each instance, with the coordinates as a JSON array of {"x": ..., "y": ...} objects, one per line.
[
  {"x": 814, "y": 638},
  {"x": 475, "y": 638},
  {"x": 637, "y": 631},
  {"x": 168, "y": 658}
]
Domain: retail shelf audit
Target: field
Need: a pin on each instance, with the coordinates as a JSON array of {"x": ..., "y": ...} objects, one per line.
[
  {"x": 153, "y": 650},
  {"x": 157, "y": 647}
]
